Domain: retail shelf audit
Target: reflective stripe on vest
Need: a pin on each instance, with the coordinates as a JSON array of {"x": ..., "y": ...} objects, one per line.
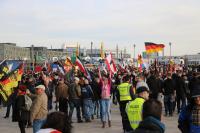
[
  {"x": 124, "y": 91},
  {"x": 134, "y": 112}
]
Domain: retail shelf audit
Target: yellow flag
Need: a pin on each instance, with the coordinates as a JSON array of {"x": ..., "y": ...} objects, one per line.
[
  {"x": 77, "y": 50},
  {"x": 102, "y": 51}
]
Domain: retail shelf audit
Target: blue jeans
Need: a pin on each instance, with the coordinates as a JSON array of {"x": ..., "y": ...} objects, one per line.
[
  {"x": 88, "y": 108},
  {"x": 97, "y": 108},
  {"x": 37, "y": 124},
  {"x": 105, "y": 104}
]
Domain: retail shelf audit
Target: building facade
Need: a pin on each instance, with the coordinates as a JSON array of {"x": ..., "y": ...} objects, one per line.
[{"x": 12, "y": 52}]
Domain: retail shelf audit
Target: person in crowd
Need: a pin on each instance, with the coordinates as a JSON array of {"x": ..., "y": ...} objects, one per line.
[
  {"x": 160, "y": 83},
  {"x": 87, "y": 96},
  {"x": 151, "y": 118},
  {"x": 189, "y": 118},
  {"x": 21, "y": 115},
  {"x": 105, "y": 83},
  {"x": 134, "y": 107},
  {"x": 46, "y": 80},
  {"x": 152, "y": 82},
  {"x": 125, "y": 94},
  {"x": 187, "y": 90},
  {"x": 11, "y": 102},
  {"x": 62, "y": 96},
  {"x": 169, "y": 94},
  {"x": 180, "y": 92},
  {"x": 56, "y": 122},
  {"x": 39, "y": 109},
  {"x": 97, "y": 96},
  {"x": 75, "y": 99}
]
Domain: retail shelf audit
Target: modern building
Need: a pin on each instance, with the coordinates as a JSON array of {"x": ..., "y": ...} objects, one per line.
[
  {"x": 13, "y": 52},
  {"x": 192, "y": 59}
]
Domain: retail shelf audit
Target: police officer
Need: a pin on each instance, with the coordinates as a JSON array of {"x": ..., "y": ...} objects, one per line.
[
  {"x": 125, "y": 93},
  {"x": 134, "y": 108}
]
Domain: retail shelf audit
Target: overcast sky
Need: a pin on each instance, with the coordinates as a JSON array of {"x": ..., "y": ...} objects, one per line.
[{"x": 122, "y": 22}]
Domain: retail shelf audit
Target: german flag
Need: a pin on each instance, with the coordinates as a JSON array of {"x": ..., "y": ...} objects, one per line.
[{"x": 153, "y": 48}]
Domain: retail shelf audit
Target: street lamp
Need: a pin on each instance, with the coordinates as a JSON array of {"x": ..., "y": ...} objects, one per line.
[
  {"x": 91, "y": 48},
  {"x": 170, "y": 44},
  {"x": 134, "y": 51}
]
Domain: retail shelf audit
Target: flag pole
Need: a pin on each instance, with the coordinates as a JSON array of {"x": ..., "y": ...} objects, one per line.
[{"x": 3, "y": 61}]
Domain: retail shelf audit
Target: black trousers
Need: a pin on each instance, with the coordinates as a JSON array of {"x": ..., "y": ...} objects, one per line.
[
  {"x": 63, "y": 105},
  {"x": 22, "y": 125},
  {"x": 125, "y": 122},
  {"x": 75, "y": 103}
]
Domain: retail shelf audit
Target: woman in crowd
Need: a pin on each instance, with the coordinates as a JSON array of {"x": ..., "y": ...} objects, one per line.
[{"x": 105, "y": 83}]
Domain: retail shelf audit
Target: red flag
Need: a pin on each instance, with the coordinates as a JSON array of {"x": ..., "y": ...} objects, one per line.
[
  {"x": 110, "y": 64},
  {"x": 81, "y": 67}
]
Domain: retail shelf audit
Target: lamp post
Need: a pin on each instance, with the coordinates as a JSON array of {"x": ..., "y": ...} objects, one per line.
[
  {"x": 134, "y": 51},
  {"x": 170, "y": 44},
  {"x": 91, "y": 48}
]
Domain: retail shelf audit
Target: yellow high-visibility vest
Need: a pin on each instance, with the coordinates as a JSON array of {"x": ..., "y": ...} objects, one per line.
[
  {"x": 124, "y": 91},
  {"x": 134, "y": 112}
]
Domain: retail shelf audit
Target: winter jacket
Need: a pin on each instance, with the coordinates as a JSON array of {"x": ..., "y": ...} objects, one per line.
[
  {"x": 62, "y": 91},
  {"x": 150, "y": 125},
  {"x": 180, "y": 87},
  {"x": 185, "y": 121},
  {"x": 86, "y": 92},
  {"x": 75, "y": 91},
  {"x": 168, "y": 87},
  {"x": 20, "y": 114},
  {"x": 153, "y": 84},
  {"x": 97, "y": 90},
  {"x": 39, "y": 107}
]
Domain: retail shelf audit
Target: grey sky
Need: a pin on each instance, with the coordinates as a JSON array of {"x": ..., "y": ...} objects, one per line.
[{"x": 122, "y": 22}]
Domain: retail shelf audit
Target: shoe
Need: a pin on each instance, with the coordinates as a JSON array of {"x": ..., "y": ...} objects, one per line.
[
  {"x": 80, "y": 121},
  {"x": 92, "y": 117},
  {"x": 103, "y": 124},
  {"x": 5, "y": 117},
  {"x": 29, "y": 126},
  {"x": 109, "y": 123},
  {"x": 88, "y": 120}
]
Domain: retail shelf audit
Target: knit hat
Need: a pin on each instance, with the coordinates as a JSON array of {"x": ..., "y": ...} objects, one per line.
[
  {"x": 196, "y": 92},
  {"x": 142, "y": 86}
]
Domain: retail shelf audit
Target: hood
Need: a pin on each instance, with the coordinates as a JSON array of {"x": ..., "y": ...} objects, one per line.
[{"x": 152, "y": 123}]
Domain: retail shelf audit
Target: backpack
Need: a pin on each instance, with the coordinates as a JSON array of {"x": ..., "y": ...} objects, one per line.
[{"x": 28, "y": 103}]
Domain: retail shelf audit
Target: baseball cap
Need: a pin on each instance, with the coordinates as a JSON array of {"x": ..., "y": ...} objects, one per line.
[{"x": 40, "y": 86}]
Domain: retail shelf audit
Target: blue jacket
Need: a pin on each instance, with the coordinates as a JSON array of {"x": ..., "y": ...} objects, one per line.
[
  {"x": 185, "y": 122},
  {"x": 86, "y": 92}
]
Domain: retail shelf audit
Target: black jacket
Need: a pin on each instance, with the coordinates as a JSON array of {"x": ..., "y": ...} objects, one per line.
[
  {"x": 97, "y": 90},
  {"x": 150, "y": 125},
  {"x": 153, "y": 84},
  {"x": 180, "y": 87},
  {"x": 20, "y": 114},
  {"x": 168, "y": 87}
]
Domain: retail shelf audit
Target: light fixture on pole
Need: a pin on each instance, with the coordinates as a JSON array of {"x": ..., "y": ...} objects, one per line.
[{"x": 170, "y": 44}]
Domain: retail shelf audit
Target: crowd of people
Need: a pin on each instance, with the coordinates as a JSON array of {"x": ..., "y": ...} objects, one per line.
[{"x": 139, "y": 94}]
